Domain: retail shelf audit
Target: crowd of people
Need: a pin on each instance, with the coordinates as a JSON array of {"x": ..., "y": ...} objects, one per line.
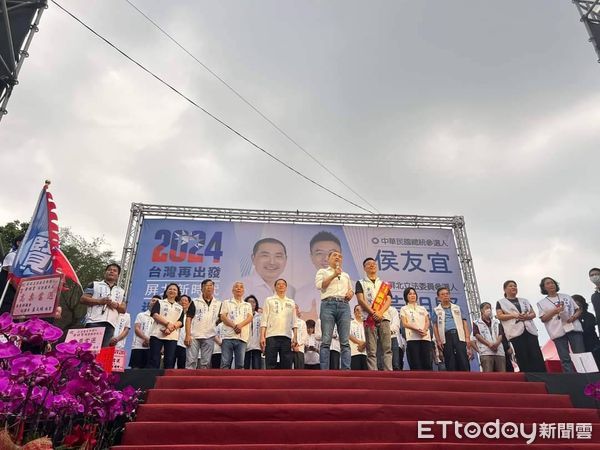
[
  {"x": 245, "y": 332},
  {"x": 249, "y": 332}
]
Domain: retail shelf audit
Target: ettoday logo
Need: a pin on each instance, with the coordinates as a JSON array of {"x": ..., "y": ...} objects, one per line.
[{"x": 445, "y": 429}]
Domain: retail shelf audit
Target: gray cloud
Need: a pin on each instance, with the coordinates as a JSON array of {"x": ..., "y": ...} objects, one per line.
[{"x": 483, "y": 109}]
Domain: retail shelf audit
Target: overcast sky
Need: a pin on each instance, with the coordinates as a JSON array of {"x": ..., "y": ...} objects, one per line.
[{"x": 484, "y": 109}]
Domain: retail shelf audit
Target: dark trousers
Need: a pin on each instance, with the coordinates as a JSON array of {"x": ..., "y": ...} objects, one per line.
[
  {"x": 139, "y": 358},
  {"x": 334, "y": 360},
  {"x": 282, "y": 346},
  {"x": 298, "y": 360},
  {"x": 215, "y": 361},
  {"x": 400, "y": 365},
  {"x": 109, "y": 331},
  {"x": 156, "y": 345},
  {"x": 455, "y": 353},
  {"x": 312, "y": 366},
  {"x": 253, "y": 360},
  {"x": 397, "y": 357},
  {"x": 358, "y": 362},
  {"x": 528, "y": 354},
  {"x": 180, "y": 357},
  {"x": 419, "y": 355},
  {"x": 10, "y": 292}
]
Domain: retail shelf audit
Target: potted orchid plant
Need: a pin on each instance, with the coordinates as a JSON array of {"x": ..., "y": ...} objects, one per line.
[{"x": 56, "y": 397}]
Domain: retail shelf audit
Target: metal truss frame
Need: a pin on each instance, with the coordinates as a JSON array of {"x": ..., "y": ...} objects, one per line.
[
  {"x": 589, "y": 10},
  {"x": 14, "y": 64},
  {"x": 140, "y": 211}
]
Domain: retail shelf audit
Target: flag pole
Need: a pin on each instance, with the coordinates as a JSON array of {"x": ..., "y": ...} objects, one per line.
[{"x": 46, "y": 184}]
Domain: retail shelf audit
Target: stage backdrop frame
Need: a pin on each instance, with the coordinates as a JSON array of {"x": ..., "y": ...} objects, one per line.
[{"x": 141, "y": 212}]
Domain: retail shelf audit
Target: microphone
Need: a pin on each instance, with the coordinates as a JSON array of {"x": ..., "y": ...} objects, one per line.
[
  {"x": 107, "y": 295},
  {"x": 337, "y": 267}
]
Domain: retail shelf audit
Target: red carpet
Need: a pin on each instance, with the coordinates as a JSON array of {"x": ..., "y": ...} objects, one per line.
[{"x": 345, "y": 410}]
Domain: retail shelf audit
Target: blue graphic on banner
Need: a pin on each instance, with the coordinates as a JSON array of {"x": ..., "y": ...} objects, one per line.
[
  {"x": 34, "y": 257},
  {"x": 187, "y": 252}
]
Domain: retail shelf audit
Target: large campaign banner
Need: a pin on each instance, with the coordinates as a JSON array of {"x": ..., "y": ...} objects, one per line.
[{"x": 189, "y": 251}]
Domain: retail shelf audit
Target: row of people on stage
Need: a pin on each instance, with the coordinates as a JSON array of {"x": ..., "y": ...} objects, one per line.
[{"x": 190, "y": 333}]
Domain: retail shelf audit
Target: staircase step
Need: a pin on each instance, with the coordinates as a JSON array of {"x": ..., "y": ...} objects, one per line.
[
  {"x": 351, "y": 411},
  {"x": 298, "y": 432},
  {"x": 358, "y": 396},
  {"x": 325, "y": 382},
  {"x": 419, "y": 375}
]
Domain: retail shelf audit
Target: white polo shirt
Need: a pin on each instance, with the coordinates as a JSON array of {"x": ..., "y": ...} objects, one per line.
[
  {"x": 254, "y": 341},
  {"x": 311, "y": 357},
  {"x": 279, "y": 316},
  {"x": 357, "y": 330},
  {"x": 145, "y": 321},
  {"x": 237, "y": 312},
  {"x": 102, "y": 313},
  {"x": 301, "y": 333},
  {"x": 335, "y": 340},
  {"x": 416, "y": 316},
  {"x": 219, "y": 334},
  {"x": 337, "y": 288},
  {"x": 558, "y": 326},
  {"x": 394, "y": 323},
  {"x": 173, "y": 312},
  {"x": 123, "y": 322},
  {"x": 204, "y": 317},
  {"x": 181, "y": 338},
  {"x": 9, "y": 259}
]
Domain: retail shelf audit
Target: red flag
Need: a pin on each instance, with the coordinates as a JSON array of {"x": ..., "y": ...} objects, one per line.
[{"x": 60, "y": 263}]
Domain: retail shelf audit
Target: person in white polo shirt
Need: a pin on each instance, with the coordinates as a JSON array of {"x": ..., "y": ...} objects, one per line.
[
  {"x": 236, "y": 316},
  {"x": 278, "y": 328},
  {"x": 253, "y": 358},
  {"x": 488, "y": 335},
  {"x": 301, "y": 334},
  {"x": 168, "y": 320},
  {"x": 336, "y": 291},
  {"x": 121, "y": 331},
  {"x": 105, "y": 301},
  {"x": 377, "y": 334},
  {"x": 215, "y": 360},
  {"x": 357, "y": 341},
  {"x": 415, "y": 320},
  {"x": 311, "y": 347},
  {"x": 560, "y": 314},
  {"x": 181, "y": 353},
  {"x": 7, "y": 262},
  {"x": 200, "y": 327},
  {"x": 140, "y": 347}
]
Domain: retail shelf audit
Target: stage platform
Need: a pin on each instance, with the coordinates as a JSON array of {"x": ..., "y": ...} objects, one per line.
[{"x": 304, "y": 409}]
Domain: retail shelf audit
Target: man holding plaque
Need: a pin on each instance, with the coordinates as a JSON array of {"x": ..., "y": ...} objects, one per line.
[
  {"x": 336, "y": 292},
  {"x": 375, "y": 299}
]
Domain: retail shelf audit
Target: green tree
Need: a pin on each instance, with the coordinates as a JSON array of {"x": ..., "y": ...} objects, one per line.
[{"x": 8, "y": 233}]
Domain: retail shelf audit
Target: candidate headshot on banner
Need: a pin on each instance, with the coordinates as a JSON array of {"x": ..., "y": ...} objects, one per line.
[{"x": 269, "y": 259}]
